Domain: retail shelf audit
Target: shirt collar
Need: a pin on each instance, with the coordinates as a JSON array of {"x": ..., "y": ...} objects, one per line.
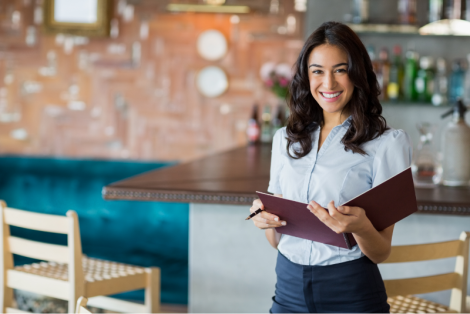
[{"x": 346, "y": 123}]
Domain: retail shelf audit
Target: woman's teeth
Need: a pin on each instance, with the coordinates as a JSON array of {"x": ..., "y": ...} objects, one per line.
[{"x": 331, "y": 95}]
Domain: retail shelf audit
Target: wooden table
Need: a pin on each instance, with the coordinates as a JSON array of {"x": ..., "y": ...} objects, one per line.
[
  {"x": 232, "y": 177},
  {"x": 224, "y": 248}
]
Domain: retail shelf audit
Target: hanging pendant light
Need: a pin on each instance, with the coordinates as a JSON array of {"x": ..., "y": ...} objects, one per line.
[
  {"x": 446, "y": 19},
  {"x": 456, "y": 27},
  {"x": 210, "y": 6}
]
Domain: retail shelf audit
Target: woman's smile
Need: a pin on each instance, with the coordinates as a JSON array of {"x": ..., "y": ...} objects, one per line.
[{"x": 331, "y": 96}]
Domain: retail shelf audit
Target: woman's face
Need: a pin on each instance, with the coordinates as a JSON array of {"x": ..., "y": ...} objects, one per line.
[{"x": 329, "y": 81}]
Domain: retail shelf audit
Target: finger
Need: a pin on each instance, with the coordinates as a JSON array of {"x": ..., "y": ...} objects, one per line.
[
  {"x": 350, "y": 210},
  {"x": 314, "y": 207},
  {"x": 262, "y": 220},
  {"x": 261, "y": 223},
  {"x": 333, "y": 211},
  {"x": 322, "y": 215},
  {"x": 255, "y": 208},
  {"x": 257, "y": 204},
  {"x": 268, "y": 216}
]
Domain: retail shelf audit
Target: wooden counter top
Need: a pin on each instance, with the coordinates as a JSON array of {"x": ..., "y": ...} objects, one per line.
[{"x": 232, "y": 177}]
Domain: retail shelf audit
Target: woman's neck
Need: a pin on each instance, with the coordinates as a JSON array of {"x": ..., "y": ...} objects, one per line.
[{"x": 330, "y": 120}]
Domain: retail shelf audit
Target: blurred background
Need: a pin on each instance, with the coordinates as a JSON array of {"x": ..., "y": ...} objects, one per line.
[{"x": 101, "y": 90}]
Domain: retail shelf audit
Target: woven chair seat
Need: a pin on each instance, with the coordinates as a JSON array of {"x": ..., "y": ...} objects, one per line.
[
  {"x": 413, "y": 304},
  {"x": 93, "y": 269}
]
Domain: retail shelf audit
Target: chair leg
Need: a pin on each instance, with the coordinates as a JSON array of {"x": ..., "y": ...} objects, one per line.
[
  {"x": 152, "y": 290},
  {"x": 72, "y": 305},
  {"x": 6, "y": 299}
]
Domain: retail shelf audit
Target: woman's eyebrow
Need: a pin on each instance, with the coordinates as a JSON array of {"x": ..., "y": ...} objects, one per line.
[
  {"x": 335, "y": 66},
  {"x": 340, "y": 64},
  {"x": 315, "y": 65}
]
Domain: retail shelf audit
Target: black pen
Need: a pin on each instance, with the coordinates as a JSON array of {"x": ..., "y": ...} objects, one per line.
[{"x": 253, "y": 214}]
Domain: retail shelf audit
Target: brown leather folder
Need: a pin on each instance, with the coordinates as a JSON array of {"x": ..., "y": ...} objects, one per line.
[{"x": 385, "y": 204}]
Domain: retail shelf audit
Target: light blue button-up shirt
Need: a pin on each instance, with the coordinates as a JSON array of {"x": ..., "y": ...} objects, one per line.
[{"x": 333, "y": 174}]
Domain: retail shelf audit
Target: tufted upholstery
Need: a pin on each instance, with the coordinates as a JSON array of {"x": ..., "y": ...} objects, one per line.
[{"x": 157, "y": 234}]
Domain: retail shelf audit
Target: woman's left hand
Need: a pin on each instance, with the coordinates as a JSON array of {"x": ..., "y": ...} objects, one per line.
[{"x": 341, "y": 219}]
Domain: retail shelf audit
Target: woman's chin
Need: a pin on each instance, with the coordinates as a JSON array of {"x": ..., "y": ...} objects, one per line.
[{"x": 332, "y": 109}]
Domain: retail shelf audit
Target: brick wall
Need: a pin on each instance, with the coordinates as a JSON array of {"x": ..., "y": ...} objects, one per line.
[{"x": 96, "y": 102}]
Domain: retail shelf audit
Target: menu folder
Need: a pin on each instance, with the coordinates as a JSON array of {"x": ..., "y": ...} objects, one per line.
[{"x": 385, "y": 204}]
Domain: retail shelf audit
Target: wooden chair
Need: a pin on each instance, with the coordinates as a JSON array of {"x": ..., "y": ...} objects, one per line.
[
  {"x": 401, "y": 291},
  {"x": 65, "y": 273},
  {"x": 81, "y": 306}
]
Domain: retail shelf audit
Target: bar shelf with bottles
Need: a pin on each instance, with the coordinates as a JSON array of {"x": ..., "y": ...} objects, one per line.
[
  {"x": 410, "y": 79},
  {"x": 444, "y": 18},
  {"x": 413, "y": 80}
]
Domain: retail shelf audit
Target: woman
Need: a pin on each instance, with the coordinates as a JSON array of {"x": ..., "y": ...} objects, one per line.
[{"x": 336, "y": 146}]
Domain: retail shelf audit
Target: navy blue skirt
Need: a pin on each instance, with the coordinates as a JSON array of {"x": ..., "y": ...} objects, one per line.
[{"x": 351, "y": 287}]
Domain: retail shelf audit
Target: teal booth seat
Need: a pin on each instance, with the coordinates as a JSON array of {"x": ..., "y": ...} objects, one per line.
[{"x": 139, "y": 233}]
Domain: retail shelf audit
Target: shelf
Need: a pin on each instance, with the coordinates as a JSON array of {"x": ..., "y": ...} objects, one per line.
[
  {"x": 385, "y": 28},
  {"x": 443, "y": 28},
  {"x": 411, "y": 104}
]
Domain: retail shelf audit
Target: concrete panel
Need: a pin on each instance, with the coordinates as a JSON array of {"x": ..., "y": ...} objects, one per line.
[{"x": 231, "y": 264}]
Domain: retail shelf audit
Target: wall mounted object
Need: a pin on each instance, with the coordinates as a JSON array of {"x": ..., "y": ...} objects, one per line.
[
  {"x": 212, "y": 45},
  {"x": 77, "y": 17},
  {"x": 212, "y": 81},
  {"x": 210, "y": 6},
  {"x": 454, "y": 27}
]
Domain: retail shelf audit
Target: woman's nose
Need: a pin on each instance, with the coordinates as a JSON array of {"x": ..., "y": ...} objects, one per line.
[{"x": 329, "y": 81}]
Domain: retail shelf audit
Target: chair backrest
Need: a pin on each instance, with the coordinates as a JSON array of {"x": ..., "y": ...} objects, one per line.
[
  {"x": 70, "y": 254},
  {"x": 457, "y": 281},
  {"x": 81, "y": 305}
]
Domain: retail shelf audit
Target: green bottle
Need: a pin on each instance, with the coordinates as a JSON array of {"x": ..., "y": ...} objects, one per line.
[
  {"x": 411, "y": 72},
  {"x": 395, "y": 83},
  {"x": 424, "y": 82},
  {"x": 266, "y": 133}
]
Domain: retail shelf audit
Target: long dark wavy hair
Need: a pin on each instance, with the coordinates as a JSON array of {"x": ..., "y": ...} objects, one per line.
[{"x": 307, "y": 115}]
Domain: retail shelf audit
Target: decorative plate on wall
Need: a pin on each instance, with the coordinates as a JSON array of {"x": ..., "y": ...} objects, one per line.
[
  {"x": 212, "y": 81},
  {"x": 212, "y": 45}
]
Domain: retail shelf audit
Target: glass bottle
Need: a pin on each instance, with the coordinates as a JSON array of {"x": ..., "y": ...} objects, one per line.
[
  {"x": 253, "y": 130},
  {"x": 436, "y": 10},
  {"x": 266, "y": 133},
  {"x": 360, "y": 11},
  {"x": 407, "y": 12},
  {"x": 278, "y": 119},
  {"x": 411, "y": 71},
  {"x": 454, "y": 9},
  {"x": 425, "y": 166},
  {"x": 395, "y": 83},
  {"x": 467, "y": 11},
  {"x": 371, "y": 51},
  {"x": 466, "y": 97},
  {"x": 456, "y": 148},
  {"x": 425, "y": 79},
  {"x": 456, "y": 81},
  {"x": 383, "y": 73},
  {"x": 439, "y": 98}
]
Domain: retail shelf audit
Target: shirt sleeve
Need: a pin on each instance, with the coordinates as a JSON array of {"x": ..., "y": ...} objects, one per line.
[
  {"x": 393, "y": 156},
  {"x": 276, "y": 163}
]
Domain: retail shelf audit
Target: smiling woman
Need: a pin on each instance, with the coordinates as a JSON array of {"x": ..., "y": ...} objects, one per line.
[
  {"x": 335, "y": 147},
  {"x": 334, "y": 60}
]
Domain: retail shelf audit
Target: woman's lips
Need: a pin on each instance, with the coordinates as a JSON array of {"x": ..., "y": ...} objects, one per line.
[{"x": 328, "y": 99}]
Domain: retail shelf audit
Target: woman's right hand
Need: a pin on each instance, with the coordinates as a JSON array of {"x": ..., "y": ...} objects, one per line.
[{"x": 265, "y": 220}]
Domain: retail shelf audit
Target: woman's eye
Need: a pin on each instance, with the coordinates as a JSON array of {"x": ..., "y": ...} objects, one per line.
[
  {"x": 316, "y": 72},
  {"x": 341, "y": 70}
]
